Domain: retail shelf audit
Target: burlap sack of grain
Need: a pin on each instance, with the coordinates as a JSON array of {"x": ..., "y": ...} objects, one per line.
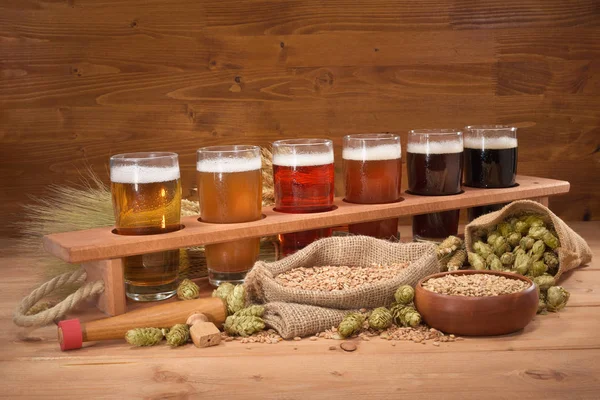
[
  {"x": 573, "y": 250},
  {"x": 359, "y": 251},
  {"x": 291, "y": 320}
]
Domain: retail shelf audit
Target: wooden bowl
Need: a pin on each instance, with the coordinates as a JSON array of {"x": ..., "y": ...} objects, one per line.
[{"x": 477, "y": 316}]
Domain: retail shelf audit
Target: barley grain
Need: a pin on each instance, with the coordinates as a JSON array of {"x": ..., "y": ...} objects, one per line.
[
  {"x": 330, "y": 278},
  {"x": 475, "y": 285}
]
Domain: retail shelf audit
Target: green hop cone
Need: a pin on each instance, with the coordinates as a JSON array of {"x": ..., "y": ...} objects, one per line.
[
  {"x": 449, "y": 245},
  {"x": 537, "y": 251},
  {"x": 551, "y": 261},
  {"x": 476, "y": 261},
  {"x": 251, "y": 311},
  {"x": 412, "y": 319},
  {"x": 144, "y": 336},
  {"x": 494, "y": 263},
  {"x": 188, "y": 290},
  {"x": 556, "y": 298},
  {"x": 538, "y": 268},
  {"x": 395, "y": 310},
  {"x": 351, "y": 324},
  {"x": 544, "y": 282},
  {"x": 542, "y": 307},
  {"x": 526, "y": 242},
  {"x": 514, "y": 239},
  {"x": 457, "y": 260},
  {"x": 507, "y": 259},
  {"x": 492, "y": 237},
  {"x": 243, "y": 325},
  {"x": 500, "y": 246},
  {"x": 550, "y": 240},
  {"x": 236, "y": 299},
  {"x": 223, "y": 290},
  {"x": 505, "y": 229},
  {"x": 522, "y": 262},
  {"x": 518, "y": 250},
  {"x": 534, "y": 221},
  {"x": 380, "y": 318},
  {"x": 483, "y": 249},
  {"x": 404, "y": 294},
  {"x": 521, "y": 227},
  {"x": 537, "y": 232},
  {"x": 178, "y": 335}
]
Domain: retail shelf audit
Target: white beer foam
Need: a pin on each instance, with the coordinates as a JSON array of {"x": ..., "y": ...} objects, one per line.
[
  {"x": 496, "y": 143},
  {"x": 303, "y": 160},
  {"x": 228, "y": 165},
  {"x": 446, "y": 147},
  {"x": 381, "y": 152},
  {"x": 141, "y": 174}
]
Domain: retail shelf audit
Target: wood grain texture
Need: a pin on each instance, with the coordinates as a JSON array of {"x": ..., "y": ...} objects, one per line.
[
  {"x": 102, "y": 243},
  {"x": 112, "y": 300},
  {"x": 554, "y": 357},
  {"x": 82, "y": 79}
]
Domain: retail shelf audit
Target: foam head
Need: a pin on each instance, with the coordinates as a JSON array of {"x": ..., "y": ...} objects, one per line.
[
  {"x": 228, "y": 165},
  {"x": 373, "y": 153},
  {"x": 489, "y": 143},
  {"x": 142, "y": 174},
  {"x": 303, "y": 159},
  {"x": 442, "y": 147}
]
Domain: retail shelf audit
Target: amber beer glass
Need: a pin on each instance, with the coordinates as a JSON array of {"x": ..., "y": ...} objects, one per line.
[
  {"x": 230, "y": 191},
  {"x": 373, "y": 174},
  {"x": 490, "y": 159},
  {"x": 146, "y": 196},
  {"x": 434, "y": 162},
  {"x": 303, "y": 176}
]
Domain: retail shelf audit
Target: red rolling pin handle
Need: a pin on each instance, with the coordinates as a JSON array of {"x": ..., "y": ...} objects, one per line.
[{"x": 72, "y": 333}]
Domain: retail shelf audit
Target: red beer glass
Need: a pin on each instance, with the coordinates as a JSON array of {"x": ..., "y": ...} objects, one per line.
[
  {"x": 303, "y": 176},
  {"x": 373, "y": 174}
]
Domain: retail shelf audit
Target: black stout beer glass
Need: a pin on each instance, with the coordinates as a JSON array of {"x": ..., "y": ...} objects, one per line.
[
  {"x": 490, "y": 160},
  {"x": 434, "y": 161}
]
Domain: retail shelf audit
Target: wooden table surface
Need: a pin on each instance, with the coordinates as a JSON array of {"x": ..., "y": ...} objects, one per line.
[{"x": 555, "y": 357}]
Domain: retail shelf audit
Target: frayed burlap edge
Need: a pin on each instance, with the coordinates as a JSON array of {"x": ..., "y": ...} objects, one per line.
[{"x": 291, "y": 320}]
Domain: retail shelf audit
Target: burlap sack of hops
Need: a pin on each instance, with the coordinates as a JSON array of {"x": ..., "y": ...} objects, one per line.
[
  {"x": 291, "y": 320},
  {"x": 359, "y": 251},
  {"x": 573, "y": 250}
]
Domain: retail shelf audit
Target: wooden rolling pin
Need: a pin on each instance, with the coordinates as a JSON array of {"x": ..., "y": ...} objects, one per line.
[{"x": 72, "y": 333}]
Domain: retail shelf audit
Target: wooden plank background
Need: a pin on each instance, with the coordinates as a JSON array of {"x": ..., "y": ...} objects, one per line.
[{"x": 83, "y": 79}]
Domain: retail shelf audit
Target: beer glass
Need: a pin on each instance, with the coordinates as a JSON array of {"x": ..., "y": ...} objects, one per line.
[
  {"x": 230, "y": 191},
  {"x": 303, "y": 182},
  {"x": 490, "y": 159},
  {"x": 434, "y": 161},
  {"x": 146, "y": 197},
  {"x": 373, "y": 173}
]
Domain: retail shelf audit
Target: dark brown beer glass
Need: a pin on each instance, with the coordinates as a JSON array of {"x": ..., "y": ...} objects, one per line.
[
  {"x": 434, "y": 162},
  {"x": 373, "y": 174},
  {"x": 490, "y": 160}
]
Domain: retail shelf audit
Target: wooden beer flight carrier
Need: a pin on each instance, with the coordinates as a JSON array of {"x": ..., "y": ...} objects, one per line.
[{"x": 100, "y": 250}]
